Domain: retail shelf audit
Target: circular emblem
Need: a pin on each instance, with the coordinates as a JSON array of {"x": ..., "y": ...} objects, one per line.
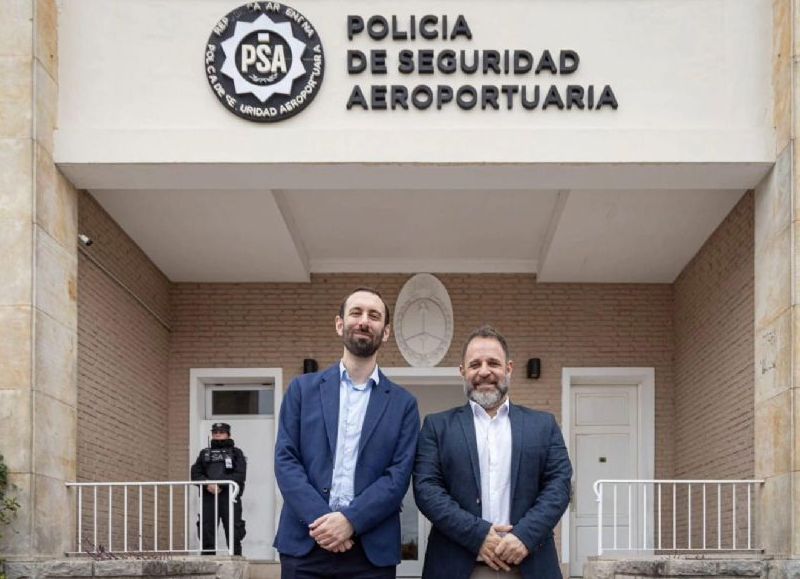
[
  {"x": 423, "y": 324},
  {"x": 264, "y": 61}
]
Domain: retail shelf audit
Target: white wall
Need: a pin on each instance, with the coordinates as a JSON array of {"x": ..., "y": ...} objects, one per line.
[{"x": 692, "y": 78}]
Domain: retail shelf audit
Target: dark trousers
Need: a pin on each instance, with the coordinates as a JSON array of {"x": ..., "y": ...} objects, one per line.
[
  {"x": 319, "y": 564},
  {"x": 210, "y": 525}
]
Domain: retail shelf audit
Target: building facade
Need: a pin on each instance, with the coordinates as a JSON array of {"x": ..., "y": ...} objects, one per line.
[{"x": 611, "y": 184}]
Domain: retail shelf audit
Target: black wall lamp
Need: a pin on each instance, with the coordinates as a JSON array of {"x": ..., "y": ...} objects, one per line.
[
  {"x": 534, "y": 368},
  {"x": 310, "y": 365}
]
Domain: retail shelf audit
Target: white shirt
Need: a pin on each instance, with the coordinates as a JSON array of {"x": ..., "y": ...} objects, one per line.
[
  {"x": 494, "y": 453},
  {"x": 353, "y": 401}
]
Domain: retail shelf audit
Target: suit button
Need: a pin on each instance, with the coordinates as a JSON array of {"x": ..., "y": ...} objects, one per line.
[
  {"x": 325, "y": 490},
  {"x": 478, "y": 500}
]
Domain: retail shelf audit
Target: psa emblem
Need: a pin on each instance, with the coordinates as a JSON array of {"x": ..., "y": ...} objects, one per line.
[{"x": 264, "y": 61}]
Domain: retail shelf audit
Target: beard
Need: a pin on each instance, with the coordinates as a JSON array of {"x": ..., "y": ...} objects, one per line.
[
  {"x": 488, "y": 399},
  {"x": 359, "y": 345}
]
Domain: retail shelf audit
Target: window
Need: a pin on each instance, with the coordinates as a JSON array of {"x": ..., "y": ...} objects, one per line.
[{"x": 240, "y": 400}]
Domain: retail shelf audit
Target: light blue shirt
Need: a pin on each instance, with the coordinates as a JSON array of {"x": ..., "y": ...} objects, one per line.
[{"x": 353, "y": 401}]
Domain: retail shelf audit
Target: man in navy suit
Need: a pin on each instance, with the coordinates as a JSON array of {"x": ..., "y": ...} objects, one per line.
[
  {"x": 344, "y": 455},
  {"x": 492, "y": 477}
]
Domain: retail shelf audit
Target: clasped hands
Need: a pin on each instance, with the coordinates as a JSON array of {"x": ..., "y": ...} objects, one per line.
[
  {"x": 333, "y": 532},
  {"x": 501, "y": 548}
]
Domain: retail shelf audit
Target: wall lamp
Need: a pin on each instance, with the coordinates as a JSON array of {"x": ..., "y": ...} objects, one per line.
[
  {"x": 310, "y": 365},
  {"x": 534, "y": 368}
]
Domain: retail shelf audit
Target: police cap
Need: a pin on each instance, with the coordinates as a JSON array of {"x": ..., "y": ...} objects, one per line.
[{"x": 221, "y": 427}]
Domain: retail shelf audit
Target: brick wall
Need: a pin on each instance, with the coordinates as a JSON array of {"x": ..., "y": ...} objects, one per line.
[
  {"x": 714, "y": 354},
  {"x": 277, "y": 325},
  {"x": 123, "y": 355},
  {"x": 714, "y": 376}
]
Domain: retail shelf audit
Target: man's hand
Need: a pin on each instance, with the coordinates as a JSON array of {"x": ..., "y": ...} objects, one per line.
[
  {"x": 332, "y": 532},
  {"x": 213, "y": 489},
  {"x": 492, "y": 541},
  {"x": 511, "y": 550},
  {"x": 346, "y": 546}
]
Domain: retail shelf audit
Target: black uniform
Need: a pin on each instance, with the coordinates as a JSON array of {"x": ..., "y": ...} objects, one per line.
[{"x": 221, "y": 461}]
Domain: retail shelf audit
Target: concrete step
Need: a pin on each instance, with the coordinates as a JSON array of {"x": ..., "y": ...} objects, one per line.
[{"x": 264, "y": 570}]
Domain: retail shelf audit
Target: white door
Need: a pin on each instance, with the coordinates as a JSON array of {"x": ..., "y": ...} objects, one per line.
[
  {"x": 604, "y": 445},
  {"x": 249, "y": 409}
]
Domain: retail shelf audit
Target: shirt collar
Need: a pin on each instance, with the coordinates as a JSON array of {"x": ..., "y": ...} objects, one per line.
[
  {"x": 479, "y": 412},
  {"x": 373, "y": 379}
]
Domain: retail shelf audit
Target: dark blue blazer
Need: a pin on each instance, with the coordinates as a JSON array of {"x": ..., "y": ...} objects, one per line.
[
  {"x": 304, "y": 456},
  {"x": 447, "y": 487}
]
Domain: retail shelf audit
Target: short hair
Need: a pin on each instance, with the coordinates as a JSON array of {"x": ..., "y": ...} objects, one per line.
[
  {"x": 486, "y": 331},
  {"x": 368, "y": 290}
]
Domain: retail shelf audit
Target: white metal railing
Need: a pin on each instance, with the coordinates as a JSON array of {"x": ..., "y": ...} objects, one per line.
[
  {"x": 143, "y": 500},
  {"x": 640, "y": 510}
]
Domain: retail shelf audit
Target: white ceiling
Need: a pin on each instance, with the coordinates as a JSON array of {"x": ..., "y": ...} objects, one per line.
[{"x": 562, "y": 236}]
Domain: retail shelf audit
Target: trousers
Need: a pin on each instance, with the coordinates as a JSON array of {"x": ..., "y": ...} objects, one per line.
[
  {"x": 322, "y": 564},
  {"x": 209, "y": 525}
]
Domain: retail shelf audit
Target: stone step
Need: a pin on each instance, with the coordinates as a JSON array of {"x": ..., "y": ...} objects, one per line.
[{"x": 264, "y": 570}]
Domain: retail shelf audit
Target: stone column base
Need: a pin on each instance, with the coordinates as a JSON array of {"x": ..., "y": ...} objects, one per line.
[
  {"x": 80, "y": 568},
  {"x": 597, "y": 568}
]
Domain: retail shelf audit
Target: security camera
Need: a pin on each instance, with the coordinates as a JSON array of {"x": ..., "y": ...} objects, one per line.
[{"x": 85, "y": 240}]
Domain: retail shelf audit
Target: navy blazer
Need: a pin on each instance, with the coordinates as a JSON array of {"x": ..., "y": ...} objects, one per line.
[
  {"x": 304, "y": 457},
  {"x": 447, "y": 487}
]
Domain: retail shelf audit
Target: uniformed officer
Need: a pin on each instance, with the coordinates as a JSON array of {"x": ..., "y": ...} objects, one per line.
[{"x": 221, "y": 461}]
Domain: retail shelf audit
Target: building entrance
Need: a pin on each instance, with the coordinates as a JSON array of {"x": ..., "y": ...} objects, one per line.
[{"x": 248, "y": 400}]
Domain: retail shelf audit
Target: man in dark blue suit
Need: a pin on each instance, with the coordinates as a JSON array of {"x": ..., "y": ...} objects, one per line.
[
  {"x": 344, "y": 455},
  {"x": 492, "y": 477}
]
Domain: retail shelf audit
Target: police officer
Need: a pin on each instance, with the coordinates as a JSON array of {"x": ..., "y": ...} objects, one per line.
[{"x": 221, "y": 461}]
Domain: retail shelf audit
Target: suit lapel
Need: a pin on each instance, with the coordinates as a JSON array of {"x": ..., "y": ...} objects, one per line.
[
  {"x": 378, "y": 401},
  {"x": 329, "y": 394},
  {"x": 468, "y": 426},
  {"x": 517, "y": 419}
]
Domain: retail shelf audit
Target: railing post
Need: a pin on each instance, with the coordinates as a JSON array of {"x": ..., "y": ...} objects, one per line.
[
  {"x": 216, "y": 521},
  {"x": 230, "y": 520},
  {"x": 125, "y": 519},
  {"x": 599, "y": 494},
  {"x": 749, "y": 522},
  {"x": 704, "y": 516},
  {"x": 94, "y": 532},
  {"x": 733, "y": 518},
  {"x": 110, "y": 516},
  {"x": 186, "y": 489},
  {"x": 141, "y": 517},
  {"x": 170, "y": 517},
  {"x": 201, "y": 525},
  {"x": 615, "y": 517},
  {"x": 155, "y": 517},
  {"x": 630, "y": 517},
  {"x": 644, "y": 511},
  {"x": 659, "y": 516},
  {"x": 689, "y": 515},
  {"x": 80, "y": 519}
]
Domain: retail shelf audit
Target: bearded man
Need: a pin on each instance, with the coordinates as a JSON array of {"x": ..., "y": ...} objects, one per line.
[
  {"x": 492, "y": 477},
  {"x": 344, "y": 455}
]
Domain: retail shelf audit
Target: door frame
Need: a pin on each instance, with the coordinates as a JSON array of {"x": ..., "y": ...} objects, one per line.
[
  {"x": 199, "y": 378},
  {"x": 644, "y": 379},
  {"x": 439, "y": 376}
]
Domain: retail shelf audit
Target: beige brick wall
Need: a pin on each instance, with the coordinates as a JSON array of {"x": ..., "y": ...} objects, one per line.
[
  {"x": 268, "y": 325},
  {"x": 714, "y": 377},
  {"x": 123, "y": 355},
  {"x": 714, "y": 354}
]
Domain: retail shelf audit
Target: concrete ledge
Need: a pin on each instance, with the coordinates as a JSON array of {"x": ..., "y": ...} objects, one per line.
[
  {"x": 184, "y": 568},
  {"x": 690, "y": 568}
]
